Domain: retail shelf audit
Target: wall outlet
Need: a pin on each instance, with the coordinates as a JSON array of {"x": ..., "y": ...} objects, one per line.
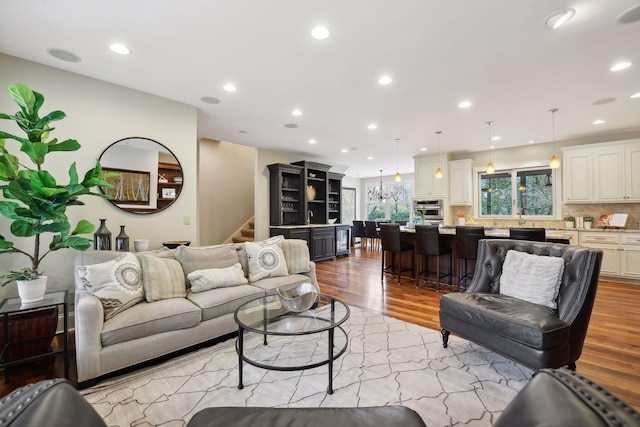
[{"x": 187, "y": 220}]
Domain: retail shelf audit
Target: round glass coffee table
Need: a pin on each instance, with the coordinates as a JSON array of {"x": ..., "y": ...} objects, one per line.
[{"x": 290, "y": 341}]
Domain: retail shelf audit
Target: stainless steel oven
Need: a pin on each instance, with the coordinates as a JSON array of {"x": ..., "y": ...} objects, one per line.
[{"x": 430, "y": 211}]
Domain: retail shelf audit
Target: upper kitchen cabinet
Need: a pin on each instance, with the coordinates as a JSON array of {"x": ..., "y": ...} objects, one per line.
[
  {"x": 577, "y": 171},
  {"x": 460, "y": 182},
  {"x": 426, "y": 183}
]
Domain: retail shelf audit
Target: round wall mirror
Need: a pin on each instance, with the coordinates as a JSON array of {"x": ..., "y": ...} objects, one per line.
[{"x": 148, "y": 176}]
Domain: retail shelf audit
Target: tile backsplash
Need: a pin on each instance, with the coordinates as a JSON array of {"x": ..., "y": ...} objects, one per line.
[{"x": 594, "y": 210}]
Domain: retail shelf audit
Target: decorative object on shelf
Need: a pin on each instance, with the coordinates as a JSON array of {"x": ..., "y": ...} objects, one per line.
[
  {"x": 141, "y": 245},
  {"x": 398, "y": 177},
  {"x": 332, "y": 220},
  {"x": 32, "y": 195},
  {"x": 587, "y": 222},
  {"x": 378, "y": 194},
  {"x": 311, "y": 193},
  {"x": 569, "y": 221},
  {"x": 554, "y": 162},
  {"x": 102, "y": 237},
  {"x": 490, "y": 167},
  {"x": 162, "y": 179},
  {"x": 122, "y": 241},
  {"x": 177, "y": 179},
  {"x": 168, "y": 193},
  {"x": 438, "y": 171},
  {"x": 300, "y": 298}
]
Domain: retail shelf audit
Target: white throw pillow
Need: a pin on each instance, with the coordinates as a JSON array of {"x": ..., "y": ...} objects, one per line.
[
  {"x": 533, "y": 278},
  {"x": 266, "y": 259},
  {"x": 211, "y": 278},
  {"x": 118, "y": 283}
]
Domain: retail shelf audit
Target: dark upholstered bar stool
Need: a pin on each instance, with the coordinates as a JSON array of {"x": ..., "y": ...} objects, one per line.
[
  {"x": 428, "y": 244},
  {"x": 358, "y": 231},
  {"x": 531, "y": 234},
  {"x": 390, "y": 235},
  {"x": 400, "y": 222},
  {"x": 467, "y": 248},
  {"x": 371, "y": 233}
]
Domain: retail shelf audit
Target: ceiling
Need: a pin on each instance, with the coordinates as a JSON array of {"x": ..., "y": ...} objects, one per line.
[{"x": 498, "y": 54}]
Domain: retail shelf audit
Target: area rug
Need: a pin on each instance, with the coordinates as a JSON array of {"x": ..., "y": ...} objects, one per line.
[{"x": 387, "y": 362}]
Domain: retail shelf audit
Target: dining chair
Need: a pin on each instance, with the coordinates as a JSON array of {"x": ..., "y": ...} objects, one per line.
[
  {"x": 359, "y": 231},
  {"x": 391, "y": 242},
  {"x": 371, "y": 233},
  {"x": 428, "y": 244},
  {"x": 531, "y": 234},
  {"x": 467, "y": 238}
]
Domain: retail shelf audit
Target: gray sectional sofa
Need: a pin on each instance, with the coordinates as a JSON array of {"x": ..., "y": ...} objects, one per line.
[{"x": 143, "y": 331}]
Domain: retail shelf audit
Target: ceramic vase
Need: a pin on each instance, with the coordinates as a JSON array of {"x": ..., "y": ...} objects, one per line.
[
  {"x": 587, "y": 225},
  {"x": 31, "y": 291},
  {"x": 311, "y": 192},
  {"x": 102, "y": 237},
  {"x": 122, "y": 241},
  {"x": 568, "y": 224}
]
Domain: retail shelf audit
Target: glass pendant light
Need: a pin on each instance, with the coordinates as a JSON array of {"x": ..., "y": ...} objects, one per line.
[
  {"x": 398, "y": 177},
  {"x": 554, "y": 162},
  {"x": 490, "y": 167},
  {"x": 438, "y": 171}
]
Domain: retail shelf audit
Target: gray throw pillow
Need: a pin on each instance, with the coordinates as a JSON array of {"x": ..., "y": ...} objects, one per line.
[
  {"x": 163, "y": 278},
  {"x": 193, "y": 259}
]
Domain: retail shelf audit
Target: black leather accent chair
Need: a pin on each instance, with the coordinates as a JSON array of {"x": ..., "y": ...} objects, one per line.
[
  {"x": 467, "y": 238},
  {"x": 428, "y": 244},
  {"x": 532, "y": 334},
  {"x": 359, "y": 231},
  {"x": 532, "y": 234},
  {"x": 391, "y": 242},
  {"x": 371, "y": 233}
]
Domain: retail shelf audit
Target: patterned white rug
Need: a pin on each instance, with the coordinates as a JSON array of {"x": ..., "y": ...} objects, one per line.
[{"x": 387, "y": 362}]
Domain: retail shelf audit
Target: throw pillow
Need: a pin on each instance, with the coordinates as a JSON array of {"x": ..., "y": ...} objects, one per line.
[
  {"x": 211, "y": 278},
  {"x": 193, "y": 259},
  {"x": 266, "y": 259},
  {"x": 533, "y": 278},
  {"x": 296, "y": 255},
  {"x": 162, "y": 278},
  {"x": 117, "y": 283}
]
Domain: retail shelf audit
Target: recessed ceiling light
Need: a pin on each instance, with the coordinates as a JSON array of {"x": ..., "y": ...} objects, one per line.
[
  {"x": 629, "y": 16},
  {"x": 344, "y": 150},
  {"x": 559, "y": 18},
  {"x": 635, "y": 95},
  {"x": 312, "y": 141},
  {"x": 496, "y": 138},
  {"x": 296, "y": 112},
  {"x": 291, "y": 125},
  {"x": 424, "y": 149},
  {"x": 492, "y": 147},
  {"x": 210, "y": 100},
  {"x": 597, "y": 122},
  {"x": 230, "y": 87},
  {"x": 372, "y": 126},
  {"x": 603, "y": 101},
  {"x": 119, "y": 48},
  {"x": 320, "y": 32},
  {"x": 385, "y": 80},
  {"x": 63, "y": 55},
  {"x": 465, "y": 104},
  {"x": 621, "y": 66},
  {"x": 243, "y": 131},
  {"x": 370, "y": 158},
  {"x": 531, "y": 141}
]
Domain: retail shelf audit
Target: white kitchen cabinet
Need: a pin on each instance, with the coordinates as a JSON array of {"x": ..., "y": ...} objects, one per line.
[
  {"x": 426, "y": 183},
  {"x": 577, "y": 171},
  {"x": 460, "y": 182},
  {"x": 621, "y": 252},
  {"x": 630, "y": 255}
]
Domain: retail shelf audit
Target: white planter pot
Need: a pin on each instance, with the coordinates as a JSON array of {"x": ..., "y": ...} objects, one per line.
[
  {"x": 568, "y": 224},
  {"x": 587, "y": 225},
  {"x": 32, "y": 290}
]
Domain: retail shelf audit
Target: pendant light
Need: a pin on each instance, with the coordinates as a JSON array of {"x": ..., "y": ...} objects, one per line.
[
  {"x": 438, "y": 171},
  {"x": 554, "y": 162},
  {"x": 490, "y": 167},
  {"x": 398, "y": 177}
]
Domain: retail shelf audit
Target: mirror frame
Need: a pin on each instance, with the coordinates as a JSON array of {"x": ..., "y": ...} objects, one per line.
[{"x": 142, "y": 211}]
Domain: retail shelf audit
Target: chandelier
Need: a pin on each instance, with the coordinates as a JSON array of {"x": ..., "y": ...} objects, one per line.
[{"x": 378, "y": 193}]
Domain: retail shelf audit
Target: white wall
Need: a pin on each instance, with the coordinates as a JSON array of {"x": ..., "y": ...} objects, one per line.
[{"x": 99, "y": 114}]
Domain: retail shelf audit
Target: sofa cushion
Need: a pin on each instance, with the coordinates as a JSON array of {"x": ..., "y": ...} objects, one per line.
[
  {"x": 147, "y": 319},
  {"x": 162, "y": 278},
  {"x": 530, "y": 324},
  {"x": 193, "y": 259},
  {"x": 270, "y": 284},
  {"x": 296, "y": 255},
  {"x": 532, "y": 278},
  {"x": 117, "y": 283},
  {"x": 266, "y": 259},
  {"x": 220, "y": 301},
  {"x": 211, "y": 278}
]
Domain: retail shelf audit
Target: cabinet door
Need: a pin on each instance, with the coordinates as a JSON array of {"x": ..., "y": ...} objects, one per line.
[
  {"x": 460, "y": 183},
  {"x": 577, "y": 175},
  {"x": 632, "y": 173},
  {"x": 608, "y": 168},
  {"x": 610, "y": 258},
  {"x": 438, "y": 185},
  {"x": 426, "y": 183},
  {"x": 421, "y": 172},
  {"x": 630, "y": 261}
]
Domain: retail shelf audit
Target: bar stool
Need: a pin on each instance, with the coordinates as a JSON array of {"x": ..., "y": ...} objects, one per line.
[
  {"x": 371, "y": 233},
  {"x": 358, "y": 231},
  {"x": 467, "y": 248},
  {"x": 390, "y": 235},
  {"x": 532, "y": 234},
  {"x": 428, "y": 244}
]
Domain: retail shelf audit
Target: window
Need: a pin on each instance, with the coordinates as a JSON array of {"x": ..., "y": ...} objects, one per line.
[
  {"x": 529, "y": 192},
  {"x": 392, "y": 201}
]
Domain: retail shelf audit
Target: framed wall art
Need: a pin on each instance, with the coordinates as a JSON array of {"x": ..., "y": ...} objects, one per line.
[
  {"x": 129, "y": 186},
  {"x": 168, "y": 193}
]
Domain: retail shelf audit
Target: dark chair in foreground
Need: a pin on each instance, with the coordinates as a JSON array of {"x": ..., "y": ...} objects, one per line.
[
  {"x": 467, "y": 238},
  {"x": 400, "y": 222},
  {"x": 428, "y": 244},
  {"x": 531, "y": 234},
  {"x": 359, "y": 231},
  {"x": 371, "y": 233},
  {"x": 536, "y": 335},
  {"x": 391, "y": 242}
]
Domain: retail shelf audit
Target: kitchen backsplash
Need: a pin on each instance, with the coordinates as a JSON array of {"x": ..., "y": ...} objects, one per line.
[{"x": 594, "y": 210}]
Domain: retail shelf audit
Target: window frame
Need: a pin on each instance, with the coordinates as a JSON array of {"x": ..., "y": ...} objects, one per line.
[{"x": 386, "y": 185}]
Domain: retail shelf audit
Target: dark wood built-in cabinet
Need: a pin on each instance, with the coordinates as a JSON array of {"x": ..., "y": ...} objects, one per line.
[
  {"x": 287, "y": 204},
  {"x": 169, "y": 183}
]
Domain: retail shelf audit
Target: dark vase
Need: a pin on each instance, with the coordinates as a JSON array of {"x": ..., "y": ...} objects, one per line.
[
  {"x": 102, "y": 237},
  {"x": 122, "y": 241}
]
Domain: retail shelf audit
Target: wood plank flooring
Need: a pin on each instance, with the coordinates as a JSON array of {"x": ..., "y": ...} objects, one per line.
[{"x": 611, "y": 354}]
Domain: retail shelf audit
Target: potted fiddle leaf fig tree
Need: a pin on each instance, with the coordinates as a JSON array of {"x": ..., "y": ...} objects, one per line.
[{"x": 33, "y": 199}]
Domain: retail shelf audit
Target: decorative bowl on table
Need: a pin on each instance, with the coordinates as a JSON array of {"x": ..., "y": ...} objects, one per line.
[
  {"x": 332, "y": 220},
  {"x": 300, "y": 298}
]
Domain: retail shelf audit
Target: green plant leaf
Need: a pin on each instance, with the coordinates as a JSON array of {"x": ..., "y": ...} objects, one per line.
[
  {"x": 14, "y": 137},
  {"x": 8, "y": 164},
  {"x": 16, "y": 190},
  {"x": 22, "y": 228},
  {"x": 23, "y": 96},
  {"x": 35, "y": 150},
  {"x": 8, "y": 209},
  {"x": 66, "y": 145},
  {"x": 51, "y": 117},
  {"x": 74, "y": 242},
  {"x": 83, "y": 227},
  {"x": 38, "y": 102},
  {"x": 5, "y": 244}
]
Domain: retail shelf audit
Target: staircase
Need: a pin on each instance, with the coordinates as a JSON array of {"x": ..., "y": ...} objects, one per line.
[{"x": 246, "y": 233}]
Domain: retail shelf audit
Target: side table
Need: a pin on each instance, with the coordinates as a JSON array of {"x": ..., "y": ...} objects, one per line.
[{"x": 14, "y": 305}]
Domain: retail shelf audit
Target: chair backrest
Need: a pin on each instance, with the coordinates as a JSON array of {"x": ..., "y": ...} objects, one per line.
[
  {"x": 531, "y": 234},
  {"x": 427, "y": 240},
  {"x": 400, "y": 222},
  {"x": 371, "y": 229},
  {"x": 467, "y": 238},
  {"x": 390, "y": 235},
  {"x": 358, "y": 229}
]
